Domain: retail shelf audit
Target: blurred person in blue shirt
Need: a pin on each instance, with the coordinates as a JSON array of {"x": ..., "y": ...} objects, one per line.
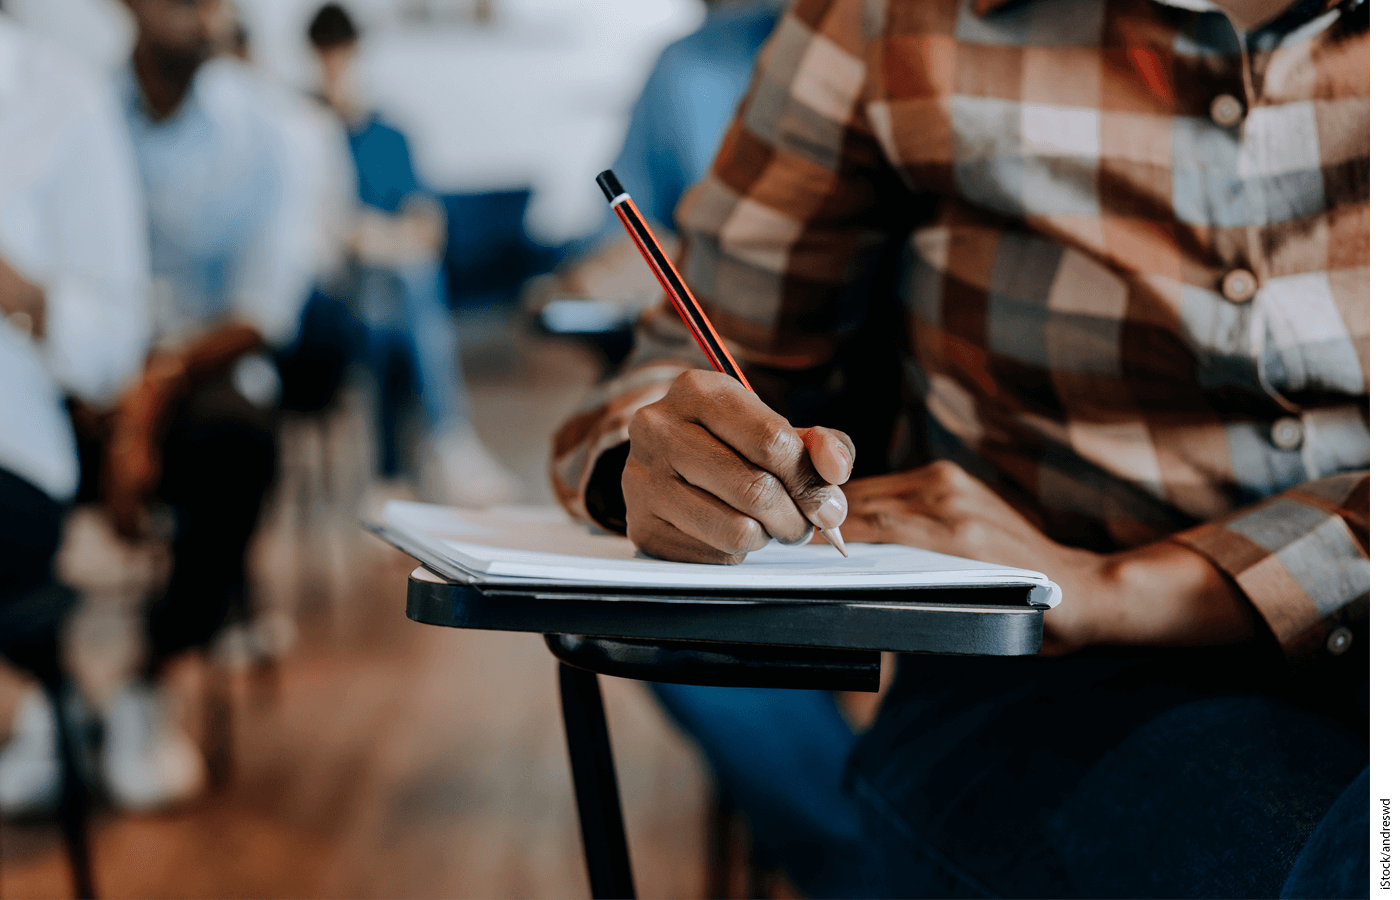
[
  {"x": 675, "y": 128},
  {"x": 74, "y": 279},
  {"x": 396, "y": 242},
  {"x": 687, "y": 103}
]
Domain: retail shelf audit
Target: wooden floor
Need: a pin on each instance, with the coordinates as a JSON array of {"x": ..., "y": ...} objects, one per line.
[{"x": 387, "y": 759}]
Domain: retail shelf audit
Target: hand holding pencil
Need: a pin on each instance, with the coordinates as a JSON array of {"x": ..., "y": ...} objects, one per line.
[{"x": 713, "y": 473}]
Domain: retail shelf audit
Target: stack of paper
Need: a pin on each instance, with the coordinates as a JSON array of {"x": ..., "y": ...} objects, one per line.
[{"x": 538, "y": 545}]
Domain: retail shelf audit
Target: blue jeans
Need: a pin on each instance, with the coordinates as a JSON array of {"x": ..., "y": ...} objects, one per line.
[
  {"x": 411, "y": 350},
  {"x": 1101, "y": 774},
  {"x": 781, "y": 755}
]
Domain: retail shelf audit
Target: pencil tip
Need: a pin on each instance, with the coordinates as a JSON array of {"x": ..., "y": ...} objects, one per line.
[{"x": 833, "y": 537}]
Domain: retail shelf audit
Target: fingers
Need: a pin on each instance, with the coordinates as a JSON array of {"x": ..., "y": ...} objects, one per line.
[
  {"x": 739, "y": 486},
  {"x": 937, "y": 484},
  {"x": 709, "y": 519},
  {"x": 711, "y": 434},
  {"x": 671, "y": 453},
  {"x": 740, "y": 420},
  {"x": 656, "y": 537},
  {"x": 894, "y": 521}
]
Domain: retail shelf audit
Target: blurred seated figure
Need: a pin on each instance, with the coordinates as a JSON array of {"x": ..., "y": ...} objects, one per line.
[
  {"x": 675, "y": 129},
  {"x": 73, "y": 320},
  {"x": 232, "y": 263},
  {"x": 313, "y": 365},
  {"x": 396, "y": 243}
]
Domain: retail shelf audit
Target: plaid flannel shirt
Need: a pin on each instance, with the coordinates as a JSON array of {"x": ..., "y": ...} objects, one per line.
[{"x": 1131, "y": 250}]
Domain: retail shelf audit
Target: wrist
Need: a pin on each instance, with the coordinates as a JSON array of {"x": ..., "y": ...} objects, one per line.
[
  {"x": 1165, "y": 594},
  {"x": 165, "y": 373}
]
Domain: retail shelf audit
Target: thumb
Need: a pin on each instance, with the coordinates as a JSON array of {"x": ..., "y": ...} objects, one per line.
[{"x": 832, "y": 452}]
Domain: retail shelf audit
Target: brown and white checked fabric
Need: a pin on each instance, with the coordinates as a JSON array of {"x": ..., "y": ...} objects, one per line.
[{"x": 1134, "y": 270}]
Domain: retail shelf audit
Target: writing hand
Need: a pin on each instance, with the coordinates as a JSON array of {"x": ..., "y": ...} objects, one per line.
[
  {"x": 1161, "y": 594},
  {"x": 713, "y": 474},
  {"x": 21, "y": 300}
]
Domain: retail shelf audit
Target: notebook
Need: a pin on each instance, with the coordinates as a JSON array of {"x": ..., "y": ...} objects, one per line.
[{"x": 542, "y": 546}]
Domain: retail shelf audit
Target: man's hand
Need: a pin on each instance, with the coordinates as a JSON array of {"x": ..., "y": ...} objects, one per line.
[
  {"x": 713, "y": 473},
  {"x": 21, "y": 300},
  {"x": 133, "y": 461},
  {"x": 1161, "y": 594}
]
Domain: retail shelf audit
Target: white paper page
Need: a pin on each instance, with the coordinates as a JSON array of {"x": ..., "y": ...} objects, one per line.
[{"x": 537, "y": 544}]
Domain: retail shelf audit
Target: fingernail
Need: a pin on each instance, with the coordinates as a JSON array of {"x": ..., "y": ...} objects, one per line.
[
  {"x": 846, "y": 455},
  {"x": 831, "y": 513}
]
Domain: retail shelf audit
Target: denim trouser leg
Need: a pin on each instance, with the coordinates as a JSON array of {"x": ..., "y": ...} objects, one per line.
[
  {"x": 781, "y": 755},
  {"x": 1155, "y": 775},
  {"x": 1334, "y": 862},
  {"x": 434, "y": 339},
  {"x": 409, "y": 327}
]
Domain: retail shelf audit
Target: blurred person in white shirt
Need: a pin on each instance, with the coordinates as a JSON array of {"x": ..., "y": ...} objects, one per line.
[
  {"x": 74, "y": 279},
  {"x": 233, "y": 237}
]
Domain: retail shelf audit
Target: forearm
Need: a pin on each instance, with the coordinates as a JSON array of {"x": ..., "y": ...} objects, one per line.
[
  {"x": 170, "y": 373},
  {"x": 212, "y": 353},
  {"x": 1165, "y": 594}
]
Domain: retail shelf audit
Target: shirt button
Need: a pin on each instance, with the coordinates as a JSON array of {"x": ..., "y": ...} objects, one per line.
[
  {"x": 1239, "y": 286},
  {"x": 1339, "y": 641},
  {"x": 1287, "y": 433},
  {"x": 1226, "y": 111}
]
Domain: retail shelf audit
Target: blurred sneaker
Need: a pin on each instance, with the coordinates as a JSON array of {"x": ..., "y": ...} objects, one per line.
[
  {"x": 458, "y": 470},
  {"x": 30, "y": 778},
  {"x": 148, "y": 763}
]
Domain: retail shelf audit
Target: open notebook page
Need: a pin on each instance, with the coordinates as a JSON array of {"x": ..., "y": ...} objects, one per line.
[{"x": 543, "y": 545}]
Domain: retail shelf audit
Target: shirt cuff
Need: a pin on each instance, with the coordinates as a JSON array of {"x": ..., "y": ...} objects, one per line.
[
  {"x": 1302, "y": 558},
  {"x": 597, "y": 430}
]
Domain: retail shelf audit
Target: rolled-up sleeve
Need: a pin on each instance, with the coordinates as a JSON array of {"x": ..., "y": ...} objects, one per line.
[{"x": 1302, "y": 558}]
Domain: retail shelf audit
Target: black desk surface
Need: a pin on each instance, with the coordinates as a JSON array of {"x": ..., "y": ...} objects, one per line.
[{"x": 984, "y": 621}]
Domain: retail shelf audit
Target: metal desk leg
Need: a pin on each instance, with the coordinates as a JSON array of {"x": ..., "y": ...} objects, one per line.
[{"x": 595, "y": 785}]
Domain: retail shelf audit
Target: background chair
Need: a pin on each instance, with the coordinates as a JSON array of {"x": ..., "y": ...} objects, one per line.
[{"x": 30, "y": 627}]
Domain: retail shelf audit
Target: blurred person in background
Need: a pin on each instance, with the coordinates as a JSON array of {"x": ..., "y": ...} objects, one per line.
[
  {"x": 396, "y": 242},
  {"x": 74, "y": 279},
  {"x": 232, "y": 256},
  {"x": 313, "y": 366},
  {"x": 675, "y": 128}
]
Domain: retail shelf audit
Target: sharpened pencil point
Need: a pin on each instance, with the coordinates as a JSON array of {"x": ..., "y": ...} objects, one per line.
[{"x": 833, "y": 537}]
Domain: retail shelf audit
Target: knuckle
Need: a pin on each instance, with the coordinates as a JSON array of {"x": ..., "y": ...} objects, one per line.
[
  {"x": 798, "y": 538},
  {"x": 740, "y": 535},
  {"x": 690, "y": 383},
  {"x": 645, "y": 423},
  {"x": 761, "y": 492},
  {"x": 778, "y": 443},
  {"x": 948, "y": 472},
  {"x": 969, "y": 532}
]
